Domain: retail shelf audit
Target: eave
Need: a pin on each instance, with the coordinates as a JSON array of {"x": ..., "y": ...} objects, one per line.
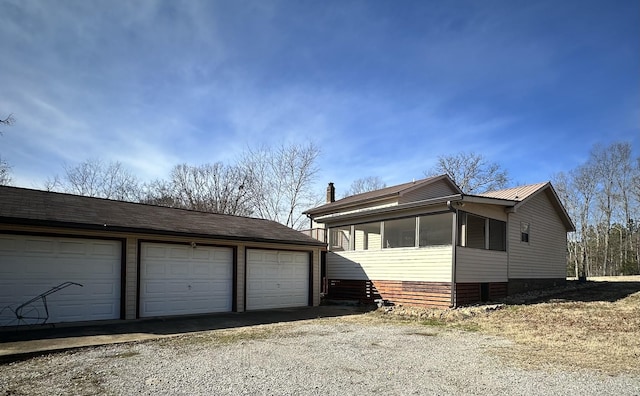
[
  {"x": 148, "y": 231},
  {"x": 388, "y": 209}
]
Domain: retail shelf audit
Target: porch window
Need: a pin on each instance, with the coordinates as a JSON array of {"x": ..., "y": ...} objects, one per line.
[
  {"x": 400, "y": 233},
  {"x": 482, "y": 233},
  {"x": 497, "y": 235},
  {"x": 367, "y": 236},
  {"x": 475, "y": 232},
  {"x": 435, "y": 230},
  {"x": 340, "y": 237}
]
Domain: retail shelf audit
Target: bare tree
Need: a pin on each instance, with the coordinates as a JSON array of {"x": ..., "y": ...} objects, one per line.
[
  {"x": 283, "y": 179},
  {"x": 94, "y": 178},
  {"x": 365, "y": 184},
  {"x": 159, "y": 192},
  {"x": 215, "y": 188},
  {"x": 471, "y": 172},
  {"x": 603, "y": 198},
  {"x": 5, "y": 168},
  {"x": 564, "y": 186},
  {"x": 8, "y": 120},
  {"x": 584, "y": 185},
  {"x": 5, "y": 173},
  {"x": 610, "y": 167}
]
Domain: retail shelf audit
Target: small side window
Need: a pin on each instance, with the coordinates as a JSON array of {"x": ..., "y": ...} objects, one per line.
[{"x": 524, "y": 232}]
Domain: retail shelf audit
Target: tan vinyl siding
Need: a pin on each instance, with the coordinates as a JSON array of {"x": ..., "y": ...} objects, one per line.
[
  {"x": 438, "y": 189},
  {"x": 491, "y": 211},
  {"x": 545, "y": 254},
  {"x": 429, "y": 264},
  {"x": 241, "y": 260},
  {"x": 131, "y": 285},
  {"x": 316, "y": 277},
  {"x": 478, "y": 265}
]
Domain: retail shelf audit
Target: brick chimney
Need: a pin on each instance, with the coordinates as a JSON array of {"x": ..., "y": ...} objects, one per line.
[{"x": 331, "y": 193}]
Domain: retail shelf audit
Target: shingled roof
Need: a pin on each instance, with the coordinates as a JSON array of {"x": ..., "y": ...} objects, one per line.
[
  {"x": 377, "y": 195},
  {"x": 43, "y": 208}
]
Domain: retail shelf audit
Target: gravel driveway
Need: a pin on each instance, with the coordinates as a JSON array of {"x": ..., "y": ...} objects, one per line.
[{"x": 317, "y": 357}]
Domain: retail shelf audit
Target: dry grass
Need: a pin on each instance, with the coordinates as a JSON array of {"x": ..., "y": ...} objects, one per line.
[
  {"x": 596, "y": 335},
  {"x": 596, "y": 328}
]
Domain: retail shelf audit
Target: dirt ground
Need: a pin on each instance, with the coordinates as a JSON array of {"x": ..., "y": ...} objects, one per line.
[{"x": 591, "y": 326}]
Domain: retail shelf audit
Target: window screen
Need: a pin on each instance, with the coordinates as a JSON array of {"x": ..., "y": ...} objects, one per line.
[
  {"x": 497, "y": 235},
  {"x": 400, "y": 233},
  {"x": 435, "y": 229},
  {"x": 340, "y": 238},
  {"x": 367, "y": 236},
  {"x": 475, "y": 231}
]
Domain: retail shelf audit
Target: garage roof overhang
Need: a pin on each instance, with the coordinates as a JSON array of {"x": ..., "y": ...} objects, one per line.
[{"x": 57, "y": 225}]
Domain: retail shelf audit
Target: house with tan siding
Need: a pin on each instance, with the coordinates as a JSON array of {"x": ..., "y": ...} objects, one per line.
[{"x": 426, "y": 243}]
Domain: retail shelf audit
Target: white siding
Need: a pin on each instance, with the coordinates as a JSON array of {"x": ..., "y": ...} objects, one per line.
[
  {"x": 430, "y": 264},
  {"x": 131, "y": 258},
  {"x": 478, "y": 265},
  {"x": 545, "y": 254}
]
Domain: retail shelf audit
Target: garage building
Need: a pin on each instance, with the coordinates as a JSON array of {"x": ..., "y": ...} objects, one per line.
[{"x": 121, "y": 260}]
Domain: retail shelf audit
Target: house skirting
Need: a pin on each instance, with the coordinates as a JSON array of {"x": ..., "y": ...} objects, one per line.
[
  {"x": 350, "y": 289},
  {"x": 414, "y": 293},
  {"x": 431, "y": 294},
  {"x": 524, "y": 285},
  {"x": 473, "y": 293}
]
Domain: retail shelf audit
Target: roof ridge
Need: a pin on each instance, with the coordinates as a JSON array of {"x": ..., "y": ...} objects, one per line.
[
  {"x": 395, "y": 186},
  {"x": 541, "y": 184},
  {"x": 145, "y": 204}
]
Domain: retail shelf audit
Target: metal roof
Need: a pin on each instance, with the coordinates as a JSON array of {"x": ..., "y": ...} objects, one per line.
[{"x": 516, "y": 193}]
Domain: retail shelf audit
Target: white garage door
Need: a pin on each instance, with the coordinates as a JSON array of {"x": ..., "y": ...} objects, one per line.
[
  {"x": 180, "y": 280},
  {"x": 31, "y": 265},
  {"x": 277, "y": 279}
]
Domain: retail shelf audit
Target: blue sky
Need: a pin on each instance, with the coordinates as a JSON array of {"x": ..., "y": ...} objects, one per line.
[{"x": 382, "y": 87}]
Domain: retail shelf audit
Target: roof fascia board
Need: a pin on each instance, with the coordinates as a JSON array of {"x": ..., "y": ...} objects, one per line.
[
  {"x": 387, "y": 197},
  {"x": 131, "y": 230},
  {"x": 557, "y": 204},
  {"x": 398, "y": 194},
  {"x": 488, "y": 200},
  {"x": 533, "y": 194},
  {"x": 388, "y": 209}
]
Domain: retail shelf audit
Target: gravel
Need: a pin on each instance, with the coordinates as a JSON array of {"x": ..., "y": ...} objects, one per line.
[{"x": 317, "y": 357}]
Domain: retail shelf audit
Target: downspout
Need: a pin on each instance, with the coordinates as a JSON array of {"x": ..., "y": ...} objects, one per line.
[
  {"x": 454, "y": 243},
  {"x": 310, "y": 221}
]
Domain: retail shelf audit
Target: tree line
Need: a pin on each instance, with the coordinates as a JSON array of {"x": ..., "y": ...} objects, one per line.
[
  {"x": 602, "y": 196},
  {"x": 275, "y": 183}
]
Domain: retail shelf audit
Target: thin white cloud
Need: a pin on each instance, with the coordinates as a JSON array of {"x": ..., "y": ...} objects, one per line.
[{"x": 383, "y": 89}]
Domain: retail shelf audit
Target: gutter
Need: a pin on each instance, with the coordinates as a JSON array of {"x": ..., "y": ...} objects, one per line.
[
  {"x": 149, "y": 231},
  {"x": 386, "y": 209}
]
